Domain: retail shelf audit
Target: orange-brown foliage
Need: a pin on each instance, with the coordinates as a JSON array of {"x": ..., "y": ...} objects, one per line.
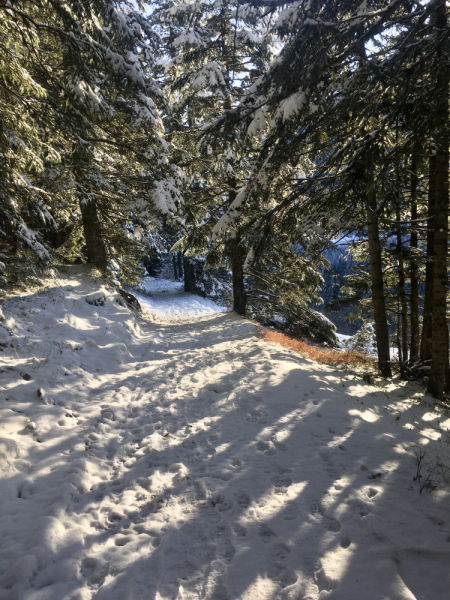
[{"x": 322, "y": 355}]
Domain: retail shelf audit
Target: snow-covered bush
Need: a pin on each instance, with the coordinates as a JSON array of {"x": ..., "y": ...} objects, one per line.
[
  {"x": 306, "y": 324},
  {"x": 363, "y": 340}
]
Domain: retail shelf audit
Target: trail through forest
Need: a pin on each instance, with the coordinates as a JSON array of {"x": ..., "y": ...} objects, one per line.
[{"x": 143, "y": 459}]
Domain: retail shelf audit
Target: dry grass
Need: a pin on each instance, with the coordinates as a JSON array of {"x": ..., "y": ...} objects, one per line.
[{"x": 327, "y": 356}]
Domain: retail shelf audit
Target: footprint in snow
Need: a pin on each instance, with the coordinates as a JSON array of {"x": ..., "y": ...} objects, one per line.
[
  {"x": 266, "y": 533},
  {"x": 239, "y": 530},
  {"x": 266, "y": 446},
  {"x": 220, "y": 502},
  {"x": 276, "y": 565},
  {"x": 331, "y": 524},
  {"x": 281, "y": 551},
  {"x": 122, "y": 541},
  {"x": 372, "y": 492},
  {"x": 291, "y": 511},
  {"x": 243, "y": 500},
  {"x": 288, "y": 577},
  {"x": 358, "y": 507},
  {"x": 94, "y": 570},
  {"x": 282, "y": 479}
]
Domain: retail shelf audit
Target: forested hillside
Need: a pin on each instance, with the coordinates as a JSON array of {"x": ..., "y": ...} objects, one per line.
[
  {"x": 254, "y": 137},
  {"x": 224, "y": 344}
]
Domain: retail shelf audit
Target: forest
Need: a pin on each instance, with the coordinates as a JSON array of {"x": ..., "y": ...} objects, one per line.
[
  {"x": 200, "y": 200},
  {"x": 262, "y": 135}
]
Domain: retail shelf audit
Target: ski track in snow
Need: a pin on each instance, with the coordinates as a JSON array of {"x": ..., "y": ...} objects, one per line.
[{"x": 193, "y": 460}]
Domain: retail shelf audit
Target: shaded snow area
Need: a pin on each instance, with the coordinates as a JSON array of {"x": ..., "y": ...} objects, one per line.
[
  {"x": 143, "y": 460},
  {"x": 156, "y": 285},
  {"x": 166, "y": 301}
]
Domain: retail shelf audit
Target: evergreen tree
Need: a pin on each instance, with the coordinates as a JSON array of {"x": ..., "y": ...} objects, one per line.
[
  {"x": 215, "y": 55},
  {"x": 329, "y": 97},
  {"x": 95, "y": 107}
]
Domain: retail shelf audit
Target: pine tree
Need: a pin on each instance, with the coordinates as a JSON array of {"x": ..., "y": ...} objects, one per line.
[
  {"x": 211, "y": 44},
  {"x": 332, "y": 97},
  {"x": 97, "y": 112}
]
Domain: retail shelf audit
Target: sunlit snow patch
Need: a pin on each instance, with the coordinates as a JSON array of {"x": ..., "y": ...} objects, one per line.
[{"x": 166, "y": 300}]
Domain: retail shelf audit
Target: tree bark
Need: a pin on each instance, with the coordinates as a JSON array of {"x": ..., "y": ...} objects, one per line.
[
  {"x": 439, "y": 339},
  {"x": 439, "y": 336},
  {"x": 180, "y": 264},
  {"x": 189, "y": 276},
  {"x": 403, "y": 316},
  {"x": 237, "y": 268},
  {"x": 399, "y": 337},
  {"x": 92, "y": 229},
  {"x": 237, "y": 261},
  {"x": 425, "y": 343},
  {"x": 376, "y": 276},
  {"x": 414, "y": 271},
  {"x": 95, "y": 245},
  {"x": 439, "y": 345}
]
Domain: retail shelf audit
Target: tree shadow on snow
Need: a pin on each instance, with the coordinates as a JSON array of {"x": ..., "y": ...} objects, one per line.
[{"x": 204, "y": 470}]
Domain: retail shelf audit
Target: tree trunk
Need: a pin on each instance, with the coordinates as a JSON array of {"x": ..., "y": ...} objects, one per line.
[
  {"x": 189, "y": 276},
  {"x": 425, "y": 343},
  {"x": 403, "y": 316},
  {"x": 237, "y": 267},
  {"x": 439, "y": 337},
  {"x": 237, "y": 261},
  {"x": 175, "y": 271},
  {"x": 447, "y": 374},
  {"x": 92, "y": 229},
  {"x": 95, "y": 245},
  {"x": 439, "y": 343},
  {"x": 414, "y": 271},
  {"x": 180, "y": 264},
  {"x": 439, "y": 346},
  {"x": 376, "y": 276},
  {"x": 399, "y": 337}
]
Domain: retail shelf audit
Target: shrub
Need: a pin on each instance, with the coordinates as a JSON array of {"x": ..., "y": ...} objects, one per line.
[{"x": 326, "y": 356}]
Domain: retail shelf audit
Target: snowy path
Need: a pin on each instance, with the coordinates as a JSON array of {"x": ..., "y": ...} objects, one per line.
[
  {"x": 168, "y": 302},
  {"x": 193, "y": 460}
]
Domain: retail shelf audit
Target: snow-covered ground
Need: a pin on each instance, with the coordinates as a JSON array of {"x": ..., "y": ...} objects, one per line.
[
  {"x": 159, "y": 285},
  {"x": 147, "y": 460},
  {"x": 344, "y": 339},
  {"x": 166, "y": 301}
]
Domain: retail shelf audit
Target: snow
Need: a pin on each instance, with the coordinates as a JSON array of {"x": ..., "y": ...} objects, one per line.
[
  {"x": 187, "y": 460},
  {"x": 168, "y": 301},
  {"x": 166, "y": 196},
  {"x": 227, "y": 220},
  {"x": 157, "y": 285},
  {"x": 189, "y": 37},
  {"x": 345, "y": 341},
  {"x": 291, "y": 106},
  {"x": 211, "y": 75}
]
